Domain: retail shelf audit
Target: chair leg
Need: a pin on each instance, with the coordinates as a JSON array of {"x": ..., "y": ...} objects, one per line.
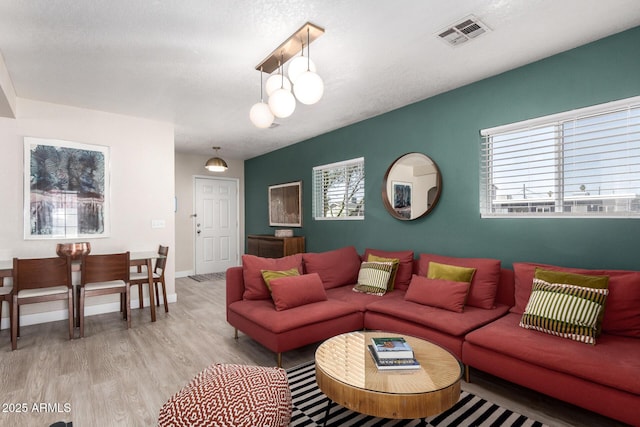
[
  {"x": 77, "y": 302},
  {"x": 18, "y": 321},
  {"x": 70, "y": 308},
  {"x": 164, "y": 296},
  {"x": 155, "y": 285},
  {"x": 140, "y": 296},
  {"x": 81, "y": 311},
  {"x": 14, "y": 323},
  {"x": 128, "y": 305}
]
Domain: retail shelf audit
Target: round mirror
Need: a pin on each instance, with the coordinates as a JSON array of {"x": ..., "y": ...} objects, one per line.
[{"x": 411, "y": 187}]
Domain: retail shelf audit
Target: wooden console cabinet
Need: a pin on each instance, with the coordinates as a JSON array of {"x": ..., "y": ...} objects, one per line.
[{"x": 274, "y": 247}]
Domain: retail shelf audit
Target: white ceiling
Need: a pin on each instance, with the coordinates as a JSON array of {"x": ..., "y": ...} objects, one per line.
[{"x": 191, "y": 62}]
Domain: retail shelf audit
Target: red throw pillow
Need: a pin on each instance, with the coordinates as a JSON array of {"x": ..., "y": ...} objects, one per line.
[
  {"x": 336, "y": 268},
  {"x": 438, "y": 293},
  {"x": 620, "y": 312},
  {"x": 252, "y": 266},
  {"x": 405, "y": 267},
  {"x": 294, "y": 291},
  {"x": 484, "y": 284}
]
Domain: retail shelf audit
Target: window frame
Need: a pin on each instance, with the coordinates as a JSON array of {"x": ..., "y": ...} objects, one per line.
[
  {"x": 318, "y": 191},
  {"x": 556, "y": 123}
]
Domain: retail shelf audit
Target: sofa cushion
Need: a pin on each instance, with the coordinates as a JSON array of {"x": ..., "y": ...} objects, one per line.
[
  {"x": 438, "y": 293},
  {"x": 405, "y": 267},
  {"x": 612, "y": 362},
  {"x": 453, "y": 273},
  {"x": 252, "y": 266},
  {"x": 269, "y": 275},
  {"x": 294, "y": 291},
  {"x": 373, "y": 277},
  {"x": 596, "y": 282},
  {"x": 485, "y": 281},
  {"x": 336, "y": 268},
  {"x": 360, "y": 300},
  {"x": 567, "y": 311},
  {"x": 621, "y": 314},
  {"x": 445, "y": 321},
  {"x": 395, "y": 262},
  {"x": 262, "y": 312}
]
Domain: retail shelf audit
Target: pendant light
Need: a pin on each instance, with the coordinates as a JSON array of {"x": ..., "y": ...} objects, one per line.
[
  {"x": 275, "y": 82},
  {"x": 299, "y": 65},
  {"x": 308, "y": 87},
  {"x": 281, "y": 101},
  {"x": 260, "y": 114},
  {"x": 216, "y": 164}
]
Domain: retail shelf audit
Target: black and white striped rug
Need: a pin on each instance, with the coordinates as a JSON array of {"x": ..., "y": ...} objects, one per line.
[{"x": 310, "y": 404}]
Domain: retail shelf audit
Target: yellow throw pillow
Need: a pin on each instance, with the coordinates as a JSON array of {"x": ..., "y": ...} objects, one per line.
[
  {"x": 395, "y": 263},
  {"x": 450, "y": 272},
  {"x": 269, "y": 275}
]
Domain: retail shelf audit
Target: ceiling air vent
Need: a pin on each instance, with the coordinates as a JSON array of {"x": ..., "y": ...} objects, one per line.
[{"x": 469, "y": 28}]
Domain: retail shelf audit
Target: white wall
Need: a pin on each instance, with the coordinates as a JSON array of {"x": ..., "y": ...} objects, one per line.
[
  {"x": 187, "y": 167},
  {"x": 142, "y": 188}
]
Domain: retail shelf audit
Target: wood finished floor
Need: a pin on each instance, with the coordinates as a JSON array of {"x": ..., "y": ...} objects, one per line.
[{"x": 119, "y": 377}]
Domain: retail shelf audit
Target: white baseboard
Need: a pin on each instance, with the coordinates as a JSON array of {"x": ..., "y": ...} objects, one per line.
[
  {"x": 90, "y": 310},
  {"x": 184, "y": 273}
]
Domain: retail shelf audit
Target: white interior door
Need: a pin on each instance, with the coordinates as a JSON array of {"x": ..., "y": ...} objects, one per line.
[{"x": 215, "y": 224}]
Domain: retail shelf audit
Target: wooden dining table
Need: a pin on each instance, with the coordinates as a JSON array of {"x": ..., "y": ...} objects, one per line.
[{"x": 142, "y": 258}]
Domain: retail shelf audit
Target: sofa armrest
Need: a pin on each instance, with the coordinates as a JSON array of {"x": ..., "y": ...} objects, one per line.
[{"x": 235, "y": 285}]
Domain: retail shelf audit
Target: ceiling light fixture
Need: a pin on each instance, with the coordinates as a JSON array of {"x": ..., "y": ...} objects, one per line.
[
  {"x": 308, "y": 87},
  {"x": 260, "y": 114},
  {"x": 281, "y": 101},
  {"x": 216, "y": 164}
]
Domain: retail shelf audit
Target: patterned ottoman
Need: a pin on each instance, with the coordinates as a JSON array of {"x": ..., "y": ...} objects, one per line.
[{"x": 231, "y": 395}]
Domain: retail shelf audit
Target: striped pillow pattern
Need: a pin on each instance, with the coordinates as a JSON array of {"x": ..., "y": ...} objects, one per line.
[
  {"x": 373, "y": 277},
  {"x": 567, "y": 311}
]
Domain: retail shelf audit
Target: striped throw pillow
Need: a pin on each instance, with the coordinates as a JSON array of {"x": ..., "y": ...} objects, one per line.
[
  {"x": 567, "y": 311},
  {"x": 373, "y": 277}
]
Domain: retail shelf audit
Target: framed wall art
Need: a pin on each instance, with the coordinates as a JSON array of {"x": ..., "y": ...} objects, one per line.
[
  {"x": 66, "y": 189},
  {"x": 285, "y": 204}
]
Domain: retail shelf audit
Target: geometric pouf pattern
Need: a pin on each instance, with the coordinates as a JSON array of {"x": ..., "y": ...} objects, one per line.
[{"x": 231, "y": 395}]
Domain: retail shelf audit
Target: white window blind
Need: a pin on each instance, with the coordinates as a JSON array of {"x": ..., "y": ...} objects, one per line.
[
  {"x": 338, "y": 190},
  {"x": 582, "y": 163}
]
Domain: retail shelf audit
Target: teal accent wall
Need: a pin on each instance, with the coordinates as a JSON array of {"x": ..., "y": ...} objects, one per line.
[{"x": 446, "y": 128}]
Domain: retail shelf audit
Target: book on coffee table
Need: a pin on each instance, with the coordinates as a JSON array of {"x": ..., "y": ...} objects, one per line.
[
  {"x": 391, "y": 364},
  {"x": 392, "y": 348}
]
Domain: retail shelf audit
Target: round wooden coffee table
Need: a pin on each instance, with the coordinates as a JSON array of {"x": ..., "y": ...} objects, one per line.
[{"x": 346, "y": 373}]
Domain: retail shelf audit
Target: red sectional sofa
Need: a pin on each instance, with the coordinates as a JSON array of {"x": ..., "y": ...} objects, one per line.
[{"x": 486, "y": 335}]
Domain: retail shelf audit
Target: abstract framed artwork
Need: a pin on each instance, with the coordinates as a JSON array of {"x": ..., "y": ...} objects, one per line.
[
  {"x": 66, "y": 189},
  {"x": 402, "y": 198},
  {"x": 285, "y": 204}
]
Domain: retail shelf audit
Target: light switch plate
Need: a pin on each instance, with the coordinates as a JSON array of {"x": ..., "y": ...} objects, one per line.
[{"x": 157, "y": 223}]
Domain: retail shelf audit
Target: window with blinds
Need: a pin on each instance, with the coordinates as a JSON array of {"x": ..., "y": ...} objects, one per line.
[
  {"x": 338, "y": 190},
  {"x": 583, "y": 163}
]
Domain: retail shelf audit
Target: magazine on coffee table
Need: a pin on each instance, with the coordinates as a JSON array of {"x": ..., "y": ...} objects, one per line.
[
  {"x": 392, "y": 348},
  {"x": 392, "y": 364}
]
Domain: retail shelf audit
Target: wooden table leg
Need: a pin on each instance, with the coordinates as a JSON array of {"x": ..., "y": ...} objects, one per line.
[{"x": 151, "y": 293}]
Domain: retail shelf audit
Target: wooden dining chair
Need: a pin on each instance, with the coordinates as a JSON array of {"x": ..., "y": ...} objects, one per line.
[
  {"x": 40, "y": 280},
  {"x": 141, "y": 278},
  {"x": 104, "y": 275}
]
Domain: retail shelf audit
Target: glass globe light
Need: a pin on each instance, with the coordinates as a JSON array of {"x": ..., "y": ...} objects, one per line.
[
  {"x": 299, "y": 65},
  {"x": 282, "y": 103},
  {"x": 276, "y": 82},
  {"x": 260, "y": 115},
  {"x": 308, "y": 88}
]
